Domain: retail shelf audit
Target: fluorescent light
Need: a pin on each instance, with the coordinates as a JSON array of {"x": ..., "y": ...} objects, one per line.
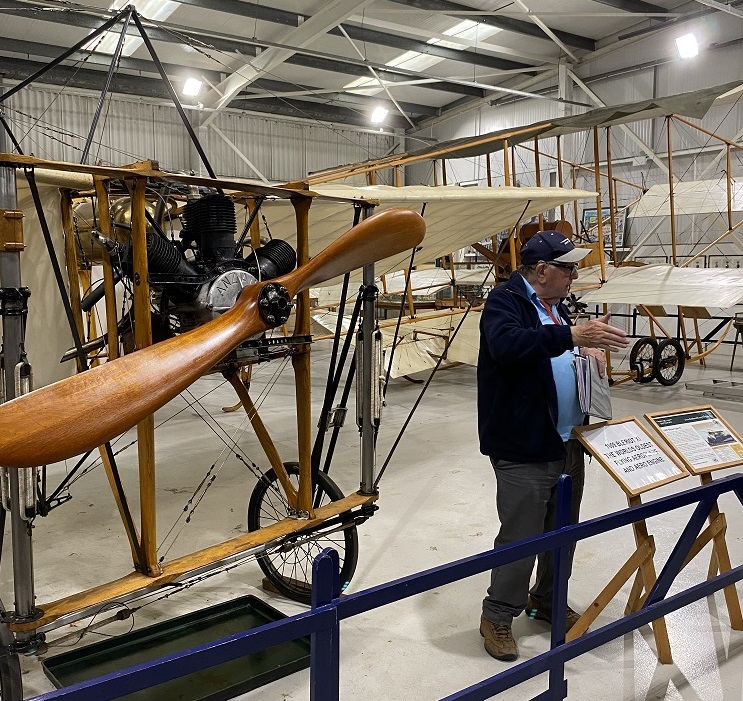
[
  {"x": 466, "y": 31},
  {"x": 192, "y": 86},
  {"x": 463, "y": 28},
  {"x": 378, "y": 115},
  {"x": 687, "y": 46},
  {"x": 158, "y": 10}
]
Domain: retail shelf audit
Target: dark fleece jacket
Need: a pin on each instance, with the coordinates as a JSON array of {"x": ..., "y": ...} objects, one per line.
[{"x": 516, "y": 394}]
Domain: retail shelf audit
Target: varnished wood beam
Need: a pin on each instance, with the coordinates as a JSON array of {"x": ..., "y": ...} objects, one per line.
[
  {"x": 104, "y": 224},
  {"x": 179, "y": 568},
  {"x": 72, "y": 265},
  {"x": 269, "y": 447},
  {"x": 301, "y": 365},
  {"x": 142, "y": 340}
]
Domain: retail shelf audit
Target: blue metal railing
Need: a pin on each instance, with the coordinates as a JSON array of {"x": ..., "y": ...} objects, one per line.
[{"x": 322, "y": 622}]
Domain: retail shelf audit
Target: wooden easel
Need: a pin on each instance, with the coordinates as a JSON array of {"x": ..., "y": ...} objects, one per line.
[
  {"x": 717, "y": 528},
  {"x": 641, "y": 562},
  {"x": 720, "y": 557}
]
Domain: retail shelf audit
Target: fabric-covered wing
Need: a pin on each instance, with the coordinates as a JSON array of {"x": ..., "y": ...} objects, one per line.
[
  {"x": 455, "y": 217},
  {"x": 666, "y": 285},
  {"x": 691, "y": 197}
]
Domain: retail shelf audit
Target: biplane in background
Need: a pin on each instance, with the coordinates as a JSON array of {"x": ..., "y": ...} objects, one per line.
[
  {"x": 687, "y": 229},
  {"x": 455, "y": 218},
  {"x": 697, "y": 285}
]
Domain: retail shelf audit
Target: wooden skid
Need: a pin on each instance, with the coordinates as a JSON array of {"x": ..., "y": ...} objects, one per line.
[{"x": 177, "y": 569}]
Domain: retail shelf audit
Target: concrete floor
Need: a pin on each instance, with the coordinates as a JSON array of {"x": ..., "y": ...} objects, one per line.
[{"x": 436, "y": 506}]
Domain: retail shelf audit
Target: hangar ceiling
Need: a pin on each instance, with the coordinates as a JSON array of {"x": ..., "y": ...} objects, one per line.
[{"x": 337, "y": 60}]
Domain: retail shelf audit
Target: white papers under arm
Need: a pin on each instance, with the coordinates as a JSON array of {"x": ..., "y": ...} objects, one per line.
[
  {"x": 600, "y": 397},
  {"x": 583, "y": 378}
]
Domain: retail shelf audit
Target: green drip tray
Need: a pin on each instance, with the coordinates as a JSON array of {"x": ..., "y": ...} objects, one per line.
[{"x": 218, "y": 683}]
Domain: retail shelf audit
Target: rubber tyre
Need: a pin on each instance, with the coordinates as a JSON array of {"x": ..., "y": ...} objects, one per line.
[
  {"x": 642, "y": 356},
  {"x": 668, "y": 362},
  {"x": 291, "y": 571}
]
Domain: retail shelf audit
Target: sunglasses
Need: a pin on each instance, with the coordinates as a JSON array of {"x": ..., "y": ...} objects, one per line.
[{"x": 571, "y": 267}]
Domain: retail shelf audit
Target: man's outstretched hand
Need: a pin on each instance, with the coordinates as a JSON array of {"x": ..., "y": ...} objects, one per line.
[{"x": 598, "y": 333}]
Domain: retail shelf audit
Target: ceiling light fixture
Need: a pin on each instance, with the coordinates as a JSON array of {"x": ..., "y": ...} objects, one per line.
[
  {"x": 378, "y": 115},
  {"x": 192, "y": 87},
  {"x": 687, "y": 46}
]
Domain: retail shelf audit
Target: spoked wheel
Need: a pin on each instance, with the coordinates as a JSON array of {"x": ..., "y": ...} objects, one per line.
[
  {"x": 668, "y": 362},
  {"x": 289, "y": 566},
  {"x": 642, "y": 358}
]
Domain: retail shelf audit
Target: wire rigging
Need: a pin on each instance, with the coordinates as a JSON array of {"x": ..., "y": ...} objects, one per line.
[{"x": 449, "y": 341}]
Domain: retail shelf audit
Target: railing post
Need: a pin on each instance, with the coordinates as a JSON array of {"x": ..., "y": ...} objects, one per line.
[
  {"x": 557, "y": 682},
  {"x": 325, "y": 644}
]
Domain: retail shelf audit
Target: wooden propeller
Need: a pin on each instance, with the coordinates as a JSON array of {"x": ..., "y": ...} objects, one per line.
[{"x": 82, "y": 412}]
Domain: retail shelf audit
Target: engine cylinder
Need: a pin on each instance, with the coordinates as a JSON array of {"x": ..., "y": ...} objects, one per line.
[
  {"x": 211, "y": 222},
  {"x": 165, "y": 257},
  {"x": 276, "y": 258}
]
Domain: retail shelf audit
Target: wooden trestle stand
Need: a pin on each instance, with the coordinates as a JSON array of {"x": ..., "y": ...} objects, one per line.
[
  {"x": 684, "y": 430},
  {"x": 637, "y": 463}
]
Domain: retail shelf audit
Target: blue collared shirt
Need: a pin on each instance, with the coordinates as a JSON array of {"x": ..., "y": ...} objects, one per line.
[{"x": 569, "y": 414}]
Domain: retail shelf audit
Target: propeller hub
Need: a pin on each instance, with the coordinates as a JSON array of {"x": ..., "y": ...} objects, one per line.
[{"x": 274, "y": 304}]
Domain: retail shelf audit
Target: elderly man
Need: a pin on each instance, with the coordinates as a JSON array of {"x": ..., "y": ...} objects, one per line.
[{"x": 527, "y": 409}]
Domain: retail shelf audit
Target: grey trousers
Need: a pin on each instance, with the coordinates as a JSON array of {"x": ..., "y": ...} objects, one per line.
[{"x": 526, "y": 499}]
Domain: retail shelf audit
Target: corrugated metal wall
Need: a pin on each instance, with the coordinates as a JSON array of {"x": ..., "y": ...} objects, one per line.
[{"x": 55, "y": 126}]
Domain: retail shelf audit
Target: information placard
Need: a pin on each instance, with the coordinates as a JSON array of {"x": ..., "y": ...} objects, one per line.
[
  {"x": 630, "y": 454},
  {"x": 700, "y": 437}
]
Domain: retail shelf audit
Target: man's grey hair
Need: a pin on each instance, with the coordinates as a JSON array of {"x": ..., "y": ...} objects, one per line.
[{"x": 527, "y": 270}]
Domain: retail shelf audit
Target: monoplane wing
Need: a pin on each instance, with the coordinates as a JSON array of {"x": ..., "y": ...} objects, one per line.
[
  {"x": 666, "y": 285},
  {"x": 455, "y": 217}
]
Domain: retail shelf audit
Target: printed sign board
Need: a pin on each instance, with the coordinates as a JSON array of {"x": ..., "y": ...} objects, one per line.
[
  {"x": 590, "y": 224},
  {"x": 630, "y": 454},
  {"x": 700, "y": 437}
]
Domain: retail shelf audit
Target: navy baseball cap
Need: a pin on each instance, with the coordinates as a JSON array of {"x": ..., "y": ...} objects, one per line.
[{"x": 551, "y": 246}]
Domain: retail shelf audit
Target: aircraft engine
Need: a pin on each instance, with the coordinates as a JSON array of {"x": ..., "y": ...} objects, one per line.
[
  {"x": 193, "y": 278},
  {"x": 199, "y": 276}
]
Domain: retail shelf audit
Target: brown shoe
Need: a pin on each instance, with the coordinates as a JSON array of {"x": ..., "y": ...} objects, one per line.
[
  {"x": 542, "y": 613},
  {"x": 499, "y": 642}
]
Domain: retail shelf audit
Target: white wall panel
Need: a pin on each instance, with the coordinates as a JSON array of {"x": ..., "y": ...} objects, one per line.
[
  {"x": 630, "y": 87},
  {"x": 290, "y": 160},
  {"x": 321, "y": 149},
  {"x": 250, "y": 136},
  {"x": 36, "y": 117}
]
